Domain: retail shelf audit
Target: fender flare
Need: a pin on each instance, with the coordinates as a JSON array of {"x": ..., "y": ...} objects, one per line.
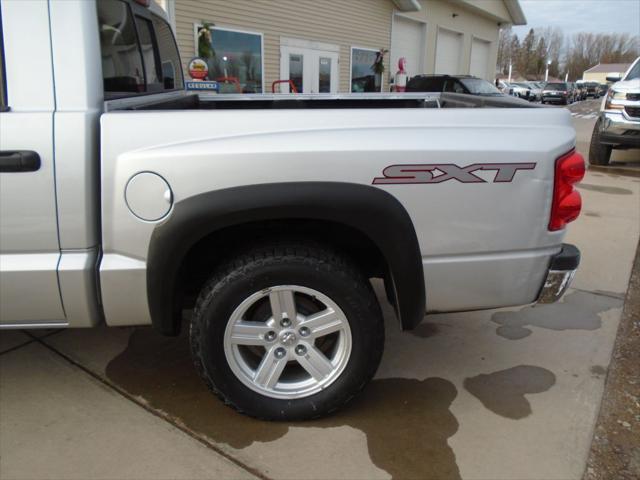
[{"x": 374, "y": 212}]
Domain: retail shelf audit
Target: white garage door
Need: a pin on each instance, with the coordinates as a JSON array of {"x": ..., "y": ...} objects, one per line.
[
  {"x": 448, "y": 52},
  {"x": 408, "y": 42},
  {"x": 479, "y": 58}
]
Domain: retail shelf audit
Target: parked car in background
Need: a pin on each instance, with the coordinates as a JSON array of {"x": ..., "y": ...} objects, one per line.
[
  {"x": 521, "y": 90},
  {"x": 602, "y": 89},
  {"x": 556, "y": 92},
  {"x": 536, "y": 90},
  {"x": 455, "y": 84},
  {"x": 505, "y": 87},
  {"x": 575, "y": 92},
  {"x": 618, "y": 123},
  {"x": 582, "y": 91},
  {"x": 593, "y": 89}
]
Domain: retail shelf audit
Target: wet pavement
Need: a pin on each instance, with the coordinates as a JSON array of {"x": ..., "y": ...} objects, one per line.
[{"x": 508, "y": 394}]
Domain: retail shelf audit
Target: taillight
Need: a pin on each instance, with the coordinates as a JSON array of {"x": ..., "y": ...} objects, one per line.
[{"x": 570, "y": 169}]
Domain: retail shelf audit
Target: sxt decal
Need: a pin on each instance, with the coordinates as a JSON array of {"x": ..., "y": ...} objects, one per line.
[{"x": 438, "y": 173}]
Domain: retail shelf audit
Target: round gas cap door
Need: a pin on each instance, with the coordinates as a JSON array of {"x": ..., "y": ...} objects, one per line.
[{"x": 148, "y": 196}]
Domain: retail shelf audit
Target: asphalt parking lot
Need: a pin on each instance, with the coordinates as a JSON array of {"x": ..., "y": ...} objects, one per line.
[{"x": 509, "y": 394}]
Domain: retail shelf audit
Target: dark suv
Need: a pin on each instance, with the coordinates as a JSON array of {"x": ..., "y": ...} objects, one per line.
[
  {"x": 556, "y": 92},
  {"x": 454, "y": 84}
]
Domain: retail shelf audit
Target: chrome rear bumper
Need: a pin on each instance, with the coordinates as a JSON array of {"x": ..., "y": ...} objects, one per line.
[{"x": 561, "y": 272}]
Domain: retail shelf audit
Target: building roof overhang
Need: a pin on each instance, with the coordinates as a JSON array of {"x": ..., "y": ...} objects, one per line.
[
  {"x": 515, "y": 10},
  {"x": 407, "y": 5}
]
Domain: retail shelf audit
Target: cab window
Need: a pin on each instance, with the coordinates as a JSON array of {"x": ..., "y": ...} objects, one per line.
[
  {"x": 139, "y": 54},
  {"x": 122, "y": 69},
  {"x": 169, "y": 57},
  {"x": 149, "y": 51}
]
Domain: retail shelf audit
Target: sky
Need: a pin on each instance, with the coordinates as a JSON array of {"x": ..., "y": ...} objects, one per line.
[{"x": 572, "y": 16}]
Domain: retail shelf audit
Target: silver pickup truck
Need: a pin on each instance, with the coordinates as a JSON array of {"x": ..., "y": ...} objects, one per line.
[
  {"x": 260, "y": 220},
  {"x": 618, "y": 123}
]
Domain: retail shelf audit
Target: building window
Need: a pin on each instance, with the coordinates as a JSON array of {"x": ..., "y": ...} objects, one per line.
[
  {"x": 363, "y": 78},
  {"x": 235, "y": 60}
]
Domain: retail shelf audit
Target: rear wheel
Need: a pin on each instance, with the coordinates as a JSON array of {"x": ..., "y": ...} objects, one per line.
[
  {"x": 287, "y": 332},
  {"x": 599, "y": 154}
]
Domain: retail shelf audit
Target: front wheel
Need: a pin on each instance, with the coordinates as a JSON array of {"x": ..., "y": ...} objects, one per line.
[
  {"x": 599, "y": 154},
  {"x": 287, "y": 332}
]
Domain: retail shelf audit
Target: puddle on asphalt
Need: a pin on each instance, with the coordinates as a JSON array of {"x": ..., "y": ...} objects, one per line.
[
  {"x": 597, "y": 370},
  {"x": 592, "y": 214},
  {"x": 578, "y": 311},
  {"x": 503, "y": 392},
  {"x": 602, "y": 189},
  {"x": 407, "y": 422}
]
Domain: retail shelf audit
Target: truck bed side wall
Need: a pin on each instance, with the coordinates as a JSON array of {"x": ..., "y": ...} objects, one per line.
[{"x": 483, "y": 244}]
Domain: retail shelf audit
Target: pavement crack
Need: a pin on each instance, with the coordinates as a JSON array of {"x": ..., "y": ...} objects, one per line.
[
  {"x": 159, "y": 414},
  {"x": 16, "y": 347},
  {"x": 618, "y": 296}
]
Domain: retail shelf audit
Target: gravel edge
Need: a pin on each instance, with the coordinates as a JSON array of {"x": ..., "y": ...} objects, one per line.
[{"x": 615, "y": 449}]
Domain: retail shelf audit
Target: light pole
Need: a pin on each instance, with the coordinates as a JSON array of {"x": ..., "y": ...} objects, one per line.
[
  {"x": 509, "y": 81},
  {"x": 546, "y": 72}
]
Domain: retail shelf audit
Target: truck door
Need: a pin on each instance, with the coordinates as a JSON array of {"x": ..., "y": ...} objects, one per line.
[{"x": 29, "y": 247}]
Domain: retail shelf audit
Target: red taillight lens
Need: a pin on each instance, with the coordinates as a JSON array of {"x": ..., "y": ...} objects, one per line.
[{"x": 567, "y": 203}]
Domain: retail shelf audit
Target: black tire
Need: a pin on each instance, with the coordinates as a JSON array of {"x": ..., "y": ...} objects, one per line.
[
  {"x": 295, "y": 263},
  {"x": 599, "y": 154}
]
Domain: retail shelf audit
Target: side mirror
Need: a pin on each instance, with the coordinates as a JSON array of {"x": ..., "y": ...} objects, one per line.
[{"x": 614, "y": 78}]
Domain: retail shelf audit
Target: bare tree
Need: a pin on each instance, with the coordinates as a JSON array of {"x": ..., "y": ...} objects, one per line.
[
  {"x": 588, "y": 49},
  {"x": 580, "y": 52}
]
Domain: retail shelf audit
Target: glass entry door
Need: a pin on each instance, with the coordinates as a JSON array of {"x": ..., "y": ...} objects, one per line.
[{"x": 310, "y": 70}]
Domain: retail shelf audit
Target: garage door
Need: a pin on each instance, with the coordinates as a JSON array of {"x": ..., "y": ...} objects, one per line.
[
  {"x": 448, "y": 52},
  {"x": 408, "y": 42},
  {"x": 479, "y": 58}
]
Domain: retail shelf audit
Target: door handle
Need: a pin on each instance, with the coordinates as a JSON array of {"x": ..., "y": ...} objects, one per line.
[{"x": 19, "y": 161}]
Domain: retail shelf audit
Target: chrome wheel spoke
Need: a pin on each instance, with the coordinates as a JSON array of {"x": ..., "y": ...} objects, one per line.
[
  {"x": 249, "y": 333},
  {"x": 315, "y": 363},
  {"x": 283, "y": 305},
  {"x": 323, "y": 323},
  {"x": 270, "y": 368}
]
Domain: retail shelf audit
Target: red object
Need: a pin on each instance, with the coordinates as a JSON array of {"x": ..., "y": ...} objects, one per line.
[
  {"x": 198, "y": 73},
  {"x": 233, "y": 80},
  {"x": 144, "y": 3},
  {"x": 570, "y": 169},
  {"x": 400, "y": 80},
  {"x": 292, "y": 86}
]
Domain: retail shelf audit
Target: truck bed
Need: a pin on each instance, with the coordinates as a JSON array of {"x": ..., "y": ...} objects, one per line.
[{"x": 204, "y": 101}]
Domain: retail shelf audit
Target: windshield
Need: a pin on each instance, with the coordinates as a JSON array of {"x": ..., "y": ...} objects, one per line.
[
  {"x": 556, "y": 86},
  {"x": 477, "y": 86},
  {"x": 634, "y": 72}
]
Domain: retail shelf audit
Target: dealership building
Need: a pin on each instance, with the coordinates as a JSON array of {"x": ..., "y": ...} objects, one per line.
[{"x": 330, "y": 46}]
